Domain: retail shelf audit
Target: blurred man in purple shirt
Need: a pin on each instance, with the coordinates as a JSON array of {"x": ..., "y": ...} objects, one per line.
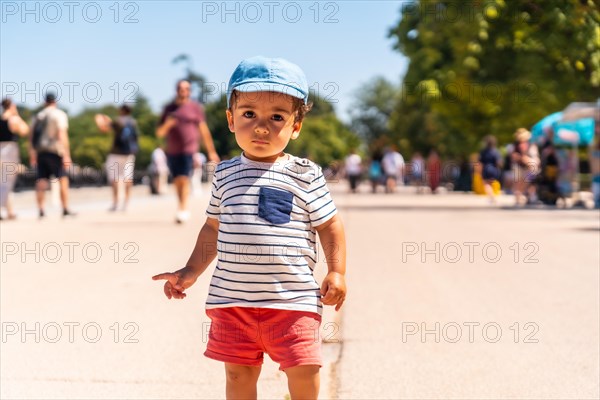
[{"x": 183, "y": 123}]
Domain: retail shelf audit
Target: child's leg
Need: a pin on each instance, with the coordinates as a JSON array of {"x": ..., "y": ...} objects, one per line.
[
  {"x": 303, "y": 382},
  {"x": 241, "y": 381}
]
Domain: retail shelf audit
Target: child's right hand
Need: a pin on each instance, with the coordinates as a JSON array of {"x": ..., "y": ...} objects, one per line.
[{"x": 177, "y": 282}]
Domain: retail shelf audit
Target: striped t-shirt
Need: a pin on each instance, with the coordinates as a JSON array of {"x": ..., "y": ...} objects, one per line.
[{"x": 266, "y": 246}]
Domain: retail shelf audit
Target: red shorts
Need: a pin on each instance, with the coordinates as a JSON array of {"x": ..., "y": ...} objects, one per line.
[{"x": 241, "y": 335}]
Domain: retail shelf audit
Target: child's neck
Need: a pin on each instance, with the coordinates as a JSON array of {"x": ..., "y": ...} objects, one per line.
[{"x": 282, "y": 157}]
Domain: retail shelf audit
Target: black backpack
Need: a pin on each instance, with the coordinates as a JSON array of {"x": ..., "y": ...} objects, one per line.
[
  {"x": 39, "y": 127},
  {"x": 127, "y": 140}
]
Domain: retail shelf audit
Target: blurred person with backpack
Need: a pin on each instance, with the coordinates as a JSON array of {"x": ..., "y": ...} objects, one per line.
[
  {"x": 50, "y": 152},
  {"x": 120, "y": 163},
  {"x": 11, "y": 127}
]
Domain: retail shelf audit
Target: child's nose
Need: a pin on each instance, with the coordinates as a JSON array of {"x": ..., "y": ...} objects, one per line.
[{"x": 261, "y": 129}]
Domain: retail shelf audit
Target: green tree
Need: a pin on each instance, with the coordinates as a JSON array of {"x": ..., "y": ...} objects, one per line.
[
  {"x": 147, "y": 120},
  {"x": 490, "y": 67},
  {"x": 89, "y": 146},
  {"x": 324, "y": 140},
  {"x": 374, "y": 105},
  {"x": 91, "y": 151},
  {"x": 320, "y": 106}
]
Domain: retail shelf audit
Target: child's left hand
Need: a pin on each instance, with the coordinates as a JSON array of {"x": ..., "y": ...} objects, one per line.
[{"x": 333, "y": 290}]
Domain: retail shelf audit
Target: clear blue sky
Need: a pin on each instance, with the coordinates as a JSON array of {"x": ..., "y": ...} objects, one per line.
[{"x": 89, "y": 45}]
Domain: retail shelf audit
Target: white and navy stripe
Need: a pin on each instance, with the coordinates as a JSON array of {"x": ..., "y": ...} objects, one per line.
[{"x": 262, "y": 264}]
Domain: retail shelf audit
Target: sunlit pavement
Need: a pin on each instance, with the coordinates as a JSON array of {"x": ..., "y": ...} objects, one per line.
[{"x": 449, "y": 297}]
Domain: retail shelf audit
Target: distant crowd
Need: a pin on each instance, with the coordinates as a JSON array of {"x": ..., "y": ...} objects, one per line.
[{"x": 534, "y": 174}]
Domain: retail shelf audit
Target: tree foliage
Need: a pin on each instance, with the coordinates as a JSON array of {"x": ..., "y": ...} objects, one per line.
[
  {"x": 375, "y": 102},
  {"x": 489, "y": 67},
  {"x": 324, "y": 139}
]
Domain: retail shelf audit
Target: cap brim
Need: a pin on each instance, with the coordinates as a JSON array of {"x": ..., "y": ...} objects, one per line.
[{"x": 252, "y": 87}]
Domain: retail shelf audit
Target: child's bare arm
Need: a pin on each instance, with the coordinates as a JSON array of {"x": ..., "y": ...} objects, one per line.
[
  {"x": 202, "y": 255},
  {"x": 333, "y": 240}
]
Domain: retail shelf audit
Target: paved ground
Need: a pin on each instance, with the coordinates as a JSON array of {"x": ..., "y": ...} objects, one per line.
[{"x": 449, "y": 298}]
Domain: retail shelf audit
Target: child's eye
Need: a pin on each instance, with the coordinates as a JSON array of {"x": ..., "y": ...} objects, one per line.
[
  {"x": 277, "y": 117},
  {"x": 248, "y": 114}
]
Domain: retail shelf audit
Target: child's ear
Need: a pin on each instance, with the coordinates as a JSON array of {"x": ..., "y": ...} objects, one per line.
[
  {"x": 230, "y": 120},
  {"x": 296, "y": 132}
]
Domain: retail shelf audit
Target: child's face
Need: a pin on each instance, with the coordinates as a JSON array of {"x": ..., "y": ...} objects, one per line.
[{"x": 263, "y": 123}]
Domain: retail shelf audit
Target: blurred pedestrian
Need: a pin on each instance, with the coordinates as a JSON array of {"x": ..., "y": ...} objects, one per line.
[
  {"x": 526, "y": 164},
  {"x": 50, "y": 152},
  {"x": 393, "y": 168},
  {"x": 353, "y": 168},
  {"x": 159, "y": 171},
  {"x": 120, "y": 163},
  {"x": 490, "y": 159},
  {"x": 464, "y": 181},
  {"x": 11, "y": 127},
  {"x": 417, "y": 171},
  {"x": 548, "y": 192},
  {"x": 183, "y": 122},
  {"x": 375, "y": 172},
  {"x": 508, "y": 176},
  {"x": 434, "y": 170}
]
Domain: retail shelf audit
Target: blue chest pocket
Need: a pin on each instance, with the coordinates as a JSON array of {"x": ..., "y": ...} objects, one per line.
[{"x": 275, "y": 205}]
